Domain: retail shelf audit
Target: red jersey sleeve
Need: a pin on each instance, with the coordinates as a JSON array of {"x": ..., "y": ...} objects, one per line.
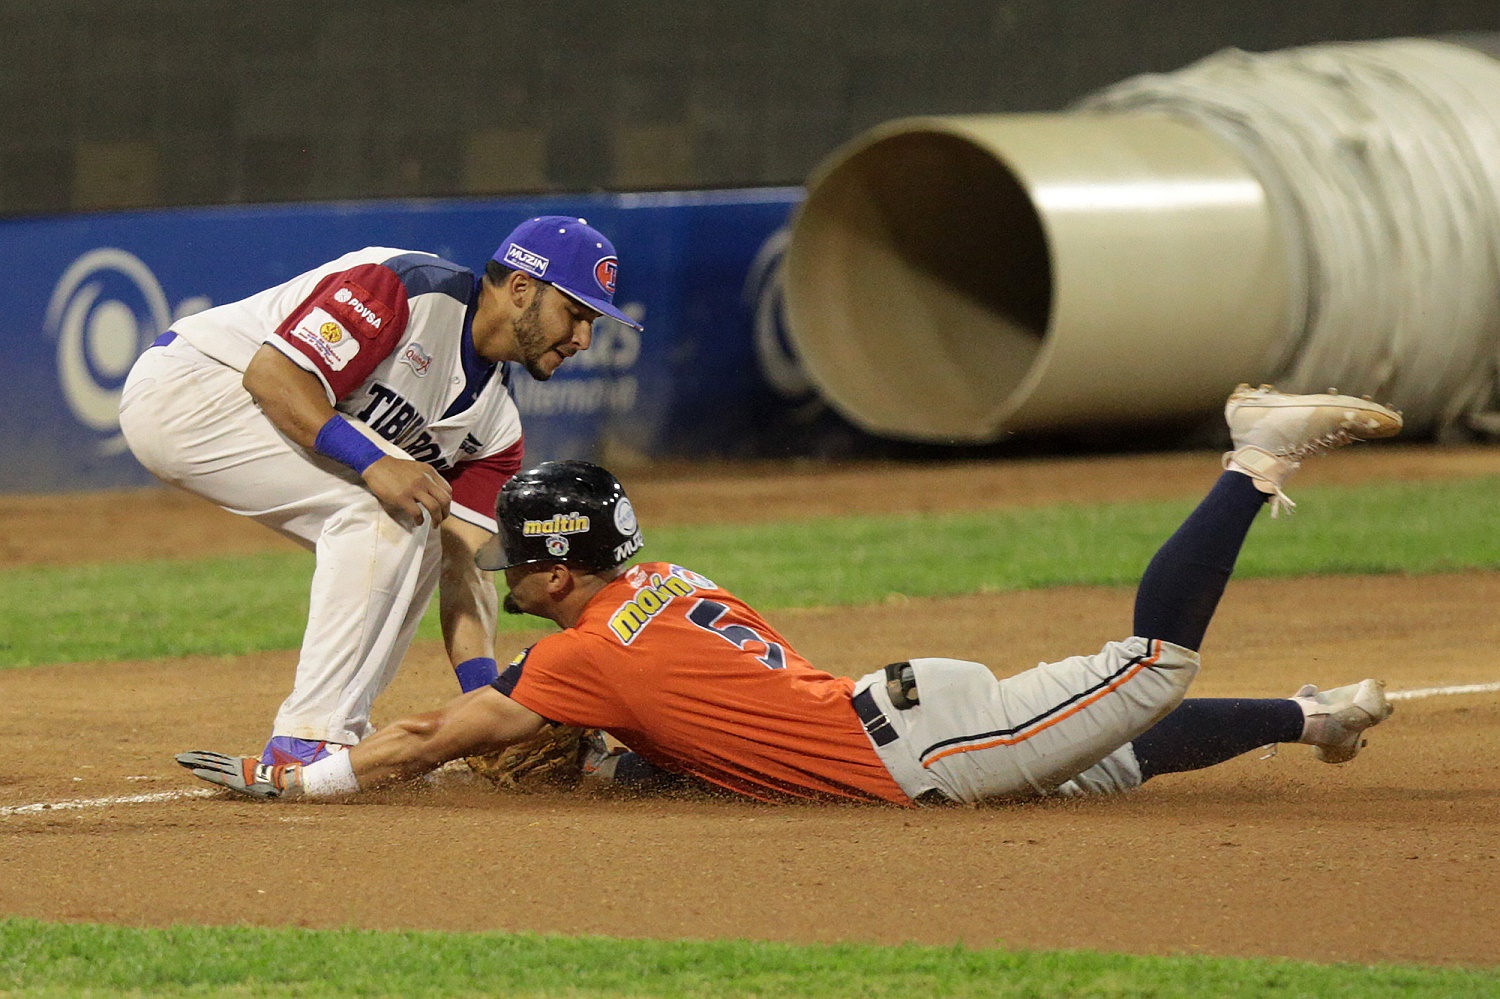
[
  {"x": 476, "y": 484},
  {"x": 349, "y": 324}
]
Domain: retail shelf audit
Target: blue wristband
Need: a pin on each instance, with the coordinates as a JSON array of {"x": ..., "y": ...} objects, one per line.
[
  {"x": 475, "y": 673},
  {"x": 340, "y": 441}
]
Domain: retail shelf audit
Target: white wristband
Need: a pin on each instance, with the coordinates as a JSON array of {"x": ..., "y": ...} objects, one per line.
[{"x": 333, "y": 774}]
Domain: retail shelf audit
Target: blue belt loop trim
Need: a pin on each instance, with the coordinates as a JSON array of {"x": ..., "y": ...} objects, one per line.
[{"x": 163, "y": 340}]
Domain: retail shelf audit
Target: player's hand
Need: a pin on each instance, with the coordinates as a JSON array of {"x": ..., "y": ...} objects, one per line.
[
  {"x": 244, "y": 774},
  {"x": 406, "y": 488}
]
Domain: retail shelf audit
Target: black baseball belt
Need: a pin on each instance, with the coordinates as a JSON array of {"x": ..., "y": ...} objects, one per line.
[
  {"x": 901, "y": 685},
  {"x": 881, "y": 731}
]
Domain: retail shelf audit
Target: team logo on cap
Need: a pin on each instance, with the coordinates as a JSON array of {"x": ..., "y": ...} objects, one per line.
[{"x": 605, "y": 272}]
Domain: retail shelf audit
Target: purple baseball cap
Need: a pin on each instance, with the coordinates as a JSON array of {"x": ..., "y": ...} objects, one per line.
[{"x": 569, "y": 254}]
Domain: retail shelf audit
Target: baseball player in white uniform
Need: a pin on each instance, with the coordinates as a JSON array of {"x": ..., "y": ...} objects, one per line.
[
  {"x": 362, "y": 409},
  {"x": 699, "y": 685}
]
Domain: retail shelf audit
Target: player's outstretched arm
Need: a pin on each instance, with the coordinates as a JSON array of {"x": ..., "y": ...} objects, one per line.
[{"x": 481, "y": 721}]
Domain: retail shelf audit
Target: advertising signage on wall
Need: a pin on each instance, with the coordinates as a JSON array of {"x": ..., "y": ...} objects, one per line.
[{"x": 711, "y": 376}]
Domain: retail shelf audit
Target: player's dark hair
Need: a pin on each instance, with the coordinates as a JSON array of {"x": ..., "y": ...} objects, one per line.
[{"x": 496, "y": 273}]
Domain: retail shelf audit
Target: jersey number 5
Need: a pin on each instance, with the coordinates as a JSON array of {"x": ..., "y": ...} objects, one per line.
[{"x": 706, "y": 614}]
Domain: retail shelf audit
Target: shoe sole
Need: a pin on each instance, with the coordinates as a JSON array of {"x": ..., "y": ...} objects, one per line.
[
  {"x": 1371, "y": 705},
  {"x": 1382, "y": 420}
]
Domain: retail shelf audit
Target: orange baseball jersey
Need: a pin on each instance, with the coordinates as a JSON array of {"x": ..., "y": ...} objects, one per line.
[{"x": 687, "y": 675}]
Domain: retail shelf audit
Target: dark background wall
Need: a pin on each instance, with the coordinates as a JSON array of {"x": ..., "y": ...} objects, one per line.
[{"x": 165, "y": 102}]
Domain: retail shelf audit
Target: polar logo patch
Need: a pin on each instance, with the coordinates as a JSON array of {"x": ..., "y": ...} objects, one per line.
[
  {"x": 605, "y": 272},
  {"x": 522, "y": 259},
  {"x": 557, "y": 545}
]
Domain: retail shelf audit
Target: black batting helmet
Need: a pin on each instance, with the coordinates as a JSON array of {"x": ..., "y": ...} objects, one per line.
[{"x": 562, "y": 511}]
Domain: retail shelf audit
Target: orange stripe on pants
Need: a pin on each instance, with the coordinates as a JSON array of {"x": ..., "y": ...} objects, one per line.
[{"x": 1014, "y": 740}]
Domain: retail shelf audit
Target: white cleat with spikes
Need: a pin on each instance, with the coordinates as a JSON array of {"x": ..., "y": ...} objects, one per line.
[
  {"x": 1274, "y": 431},
  {"x": 1335, "y": 720}
]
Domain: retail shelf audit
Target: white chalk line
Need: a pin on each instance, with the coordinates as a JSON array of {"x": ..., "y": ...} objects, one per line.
[
  {"x": 142, "y": 799},
  {"x": 121, "y": 799},
  {"x": 1467, "y": 688}
]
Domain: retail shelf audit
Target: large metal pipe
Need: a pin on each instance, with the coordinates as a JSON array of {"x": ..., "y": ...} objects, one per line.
[{"x": 952, "y": 279}]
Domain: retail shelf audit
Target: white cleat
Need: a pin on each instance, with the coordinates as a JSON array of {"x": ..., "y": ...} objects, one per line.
[
  {"x": 1335, "y": 720},
  {"x": 1295, "y": 426},
  {"x": 1274, "y": 431}
]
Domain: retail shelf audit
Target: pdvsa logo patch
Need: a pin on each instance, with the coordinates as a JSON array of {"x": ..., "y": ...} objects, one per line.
[
  {"x": 605, "y": 272},
  {"x": 362, "y": 306}
]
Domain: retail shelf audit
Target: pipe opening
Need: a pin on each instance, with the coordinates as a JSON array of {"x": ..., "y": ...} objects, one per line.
[
  {"x": 925, "y": 248},
  {"x": 963, "y": 279},
  {"x": 954, "y": 213}
]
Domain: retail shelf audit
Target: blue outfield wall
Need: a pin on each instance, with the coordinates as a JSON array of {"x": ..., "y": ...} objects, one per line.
[{"x": 710, "y": 377}]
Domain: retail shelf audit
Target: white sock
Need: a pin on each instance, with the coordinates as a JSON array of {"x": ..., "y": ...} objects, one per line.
[{"x": 333, "y": 774}]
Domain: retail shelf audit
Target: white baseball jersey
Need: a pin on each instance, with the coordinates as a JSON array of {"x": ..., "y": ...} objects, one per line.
[{"x": 388, "y": 334}]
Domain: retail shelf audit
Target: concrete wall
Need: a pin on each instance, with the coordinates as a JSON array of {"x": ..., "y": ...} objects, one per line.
[{"x": 167, "y": 102}]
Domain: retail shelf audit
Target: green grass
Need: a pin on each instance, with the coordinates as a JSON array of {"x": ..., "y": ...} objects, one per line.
[
  {"x": 1385, "y": 529},
  {"x": 71, "y": 959},
  {"x": 237, "y": 605},
  {"x": 230, "y": 606}
]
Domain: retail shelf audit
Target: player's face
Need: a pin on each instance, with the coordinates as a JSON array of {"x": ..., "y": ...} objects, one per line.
[
  {"x": 527, "y": 589},
  {"x": 552, "y": 329}
]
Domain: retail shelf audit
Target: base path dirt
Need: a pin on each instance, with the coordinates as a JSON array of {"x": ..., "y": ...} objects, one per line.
[{"x": 1394, "y": 857}]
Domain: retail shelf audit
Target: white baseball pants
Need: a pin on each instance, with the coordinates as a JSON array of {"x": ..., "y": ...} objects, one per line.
[
  {"x": 189, "y": 420},
  {"x": 975, "y": 738}
]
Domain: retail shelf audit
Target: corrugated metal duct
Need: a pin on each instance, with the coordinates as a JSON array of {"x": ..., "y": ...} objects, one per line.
[{"x": 1320, "y": 216}]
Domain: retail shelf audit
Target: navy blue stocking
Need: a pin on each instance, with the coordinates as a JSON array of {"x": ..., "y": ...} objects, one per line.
[
  {"x": 1203, "y": 731},
  {"x": 1181, "y": 587},
  {"x": 1175, "y": 602}
]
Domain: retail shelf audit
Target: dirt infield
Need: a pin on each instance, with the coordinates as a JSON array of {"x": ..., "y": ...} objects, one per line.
[{"x": 1395, "y": 857}]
